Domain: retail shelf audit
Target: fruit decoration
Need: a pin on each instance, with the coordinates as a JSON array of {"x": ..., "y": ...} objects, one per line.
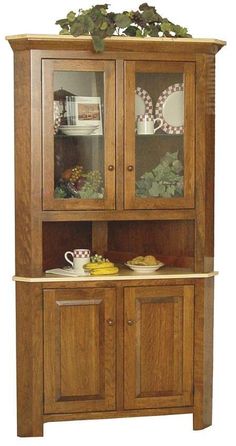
[{"x": 78, "y": 183}]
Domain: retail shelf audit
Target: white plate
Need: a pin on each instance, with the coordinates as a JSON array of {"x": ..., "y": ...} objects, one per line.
[
  {"x": 79, "y": 130},
  {"x": 170, "y": 108},
  {"x": 142, "y": 269},
  {"x": 143, "y": 102}
]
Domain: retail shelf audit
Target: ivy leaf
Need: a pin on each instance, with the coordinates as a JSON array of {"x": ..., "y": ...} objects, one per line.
[
  {"x": 103, "y": 26},
  {"x": 180, "y": 31},
  {"x": 64, "y": 31},
  {"x": 122, "y": 20},
  {"x": 131, "y": 31},
  {"x": 144, "y": 7},
  {"x": 98, "y": 44},
  {"x": 154, "y": 30},
  {"x": 149, "y": 15},
  {"x": 76, "y": 29},
  {"x": 139, "y": 33},
  {"x": 166, "y": 27},
  {"x": 62, "y": 22},
  {"x": 71, "y": 16}
]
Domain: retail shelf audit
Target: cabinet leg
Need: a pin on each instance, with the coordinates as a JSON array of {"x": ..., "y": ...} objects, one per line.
[
  {"x": 29, "y": 352},
  {"x": 203, "y": 354}
]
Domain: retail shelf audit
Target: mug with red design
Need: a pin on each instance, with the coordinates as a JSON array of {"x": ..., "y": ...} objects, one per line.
[
  {"x": 146, "y": 124},
  {"x": 79, "y": 258}
]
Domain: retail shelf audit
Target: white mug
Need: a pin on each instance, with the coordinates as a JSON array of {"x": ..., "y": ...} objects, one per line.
[
  {"x": 145, "y": 124},
  {"x": 79, "y": 258}
]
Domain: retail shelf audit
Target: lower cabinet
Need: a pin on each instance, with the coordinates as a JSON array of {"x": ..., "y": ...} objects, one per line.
[
  {"x": 80, "y": 338},
  {"x": 158, "y": 361},
  {"x": 79, "y": 350}
]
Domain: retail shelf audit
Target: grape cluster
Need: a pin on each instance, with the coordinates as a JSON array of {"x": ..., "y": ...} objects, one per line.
[
  {"x": 94, "y": 178},
  {"x": 75, "y": 173}
]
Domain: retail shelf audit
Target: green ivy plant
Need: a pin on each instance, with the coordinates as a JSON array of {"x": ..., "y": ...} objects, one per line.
[
  {"x": 99, "y": 23},
  {"x": 165, "y": 180}
]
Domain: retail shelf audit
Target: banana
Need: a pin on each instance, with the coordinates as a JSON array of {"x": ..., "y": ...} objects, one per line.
[
  {"x": 98, "y": 265},
  {"x": 104, "y": 271}
]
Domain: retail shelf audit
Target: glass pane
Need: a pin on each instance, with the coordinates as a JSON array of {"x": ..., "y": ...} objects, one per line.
[
  {"x": 159, "y": 127},
  {"x": 78, "y": 135}
]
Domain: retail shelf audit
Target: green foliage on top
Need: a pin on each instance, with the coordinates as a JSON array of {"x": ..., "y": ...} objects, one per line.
[{"x": 99, "y": 24}]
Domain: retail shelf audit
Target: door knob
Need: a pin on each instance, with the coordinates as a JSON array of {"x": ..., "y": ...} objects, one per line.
[
  {"x": 111, "y": 167},
  {"x": 110, "y": 322},
  {"x": 130, "y": 168},
  {"x": 131, "y": 322}
]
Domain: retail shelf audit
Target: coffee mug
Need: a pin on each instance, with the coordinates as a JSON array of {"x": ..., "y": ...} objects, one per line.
[
  {"x": 79, "y": 258},
  {"x": 145, "y": 124}
]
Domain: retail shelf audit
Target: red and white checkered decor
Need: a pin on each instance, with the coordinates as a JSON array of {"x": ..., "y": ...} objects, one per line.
[
  {"x": 146, "y": 99},
  {"x": 81, "y": 253},
  {"x": 166, "y": 127}
]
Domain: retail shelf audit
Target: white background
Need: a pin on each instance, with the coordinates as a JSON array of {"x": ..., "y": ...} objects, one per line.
[{"x": 204, "y": 18}]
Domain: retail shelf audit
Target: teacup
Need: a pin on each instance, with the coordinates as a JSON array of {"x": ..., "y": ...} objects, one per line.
[
  {"x": 79, "y": 258},
  {"x": 146, "y": 124}
]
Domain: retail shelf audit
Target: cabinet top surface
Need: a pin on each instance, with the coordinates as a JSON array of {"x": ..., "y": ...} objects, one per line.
[{"x": 115, "y": 43}]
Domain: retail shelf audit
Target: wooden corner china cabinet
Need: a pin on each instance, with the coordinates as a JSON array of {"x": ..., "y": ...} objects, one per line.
[{"x": 133, "y": 127}]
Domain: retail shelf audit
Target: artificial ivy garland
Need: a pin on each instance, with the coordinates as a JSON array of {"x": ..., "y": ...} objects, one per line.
[{"x": 99, "y": 24}]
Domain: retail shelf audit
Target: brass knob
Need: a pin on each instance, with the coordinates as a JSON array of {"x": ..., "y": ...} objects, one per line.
[
  {"x": 131, "y": 322},
  {"x": 111, "y": 167},
  {"x": 110, "y": 322},
  {"x": 130, "y": 168}
]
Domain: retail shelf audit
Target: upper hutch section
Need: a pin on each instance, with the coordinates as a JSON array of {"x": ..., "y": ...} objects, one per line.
[{"x": 131, "y": 141}]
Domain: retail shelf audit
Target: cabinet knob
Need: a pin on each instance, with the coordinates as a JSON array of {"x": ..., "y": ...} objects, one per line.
[
  {"x": 110, "y": 322},
  {"x": 131, "y": 322},
  {"x": 111, "y": 167},
  {"x": 130, "y": 168}
]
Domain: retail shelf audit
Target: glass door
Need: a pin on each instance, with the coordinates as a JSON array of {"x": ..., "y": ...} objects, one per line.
[
  {"x": 78, "y": 134},
  {"x": 159, "y": 135}
]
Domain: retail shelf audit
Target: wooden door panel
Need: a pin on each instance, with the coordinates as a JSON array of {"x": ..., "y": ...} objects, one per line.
[
  {"x": 79, "y": 350},
  {"x": 158, "y": 346},
  {"x": 51, "y": 159},
  {"x": 131, "y": 171}
]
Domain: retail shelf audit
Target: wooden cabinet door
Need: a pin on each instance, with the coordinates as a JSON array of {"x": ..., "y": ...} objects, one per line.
[
  {"x": 159, "y": 135},
  {"x": 158, "y": 364},
  {"x": 79, "y": 350},
  {"x": 78, "y": 134}
]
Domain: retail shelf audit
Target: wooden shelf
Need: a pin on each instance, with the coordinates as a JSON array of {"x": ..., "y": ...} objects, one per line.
[
  {"x": 124, "y": 274},
  {"x": 113, "y": 215}
]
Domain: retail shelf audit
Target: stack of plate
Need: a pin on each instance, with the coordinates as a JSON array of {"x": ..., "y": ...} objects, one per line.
[{"x": 75, "y": 130}]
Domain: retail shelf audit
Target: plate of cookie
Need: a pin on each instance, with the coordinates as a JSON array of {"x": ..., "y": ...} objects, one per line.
[{"x": 144, "y": 264}]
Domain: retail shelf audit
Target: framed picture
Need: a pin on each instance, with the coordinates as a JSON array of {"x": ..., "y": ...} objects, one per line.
[{"x": 85, "y": 111}]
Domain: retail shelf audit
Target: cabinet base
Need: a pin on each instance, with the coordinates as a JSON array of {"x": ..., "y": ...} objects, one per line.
[
  {"x": 116, "y": 414},
  {"x": 197, "y": 425}
]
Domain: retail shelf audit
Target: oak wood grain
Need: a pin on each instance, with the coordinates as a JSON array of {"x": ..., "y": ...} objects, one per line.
[
  {"x": 117, "y": 215},
  {"x": 205, "y": 127},
  {"x": 108, "y": 68},
  {"x": 155, "y": 328},
  {"x": 117, "y": 414},
  {"x": 29, "y": 355},
  {"x": 115, "y": 43},
  {"x": 27, "y": 164},
  {"x": 203, "y": 353},
  {"x": 132, "y": 201},
  {"x": 79, "y": 350}
]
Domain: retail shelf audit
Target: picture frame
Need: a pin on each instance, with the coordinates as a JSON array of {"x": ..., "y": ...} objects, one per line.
[{"x": 85, "y": 111}]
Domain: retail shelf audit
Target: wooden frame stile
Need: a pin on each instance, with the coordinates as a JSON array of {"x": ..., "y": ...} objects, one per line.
[
  {"x": 28, "y": 163},
  {"x": 188, "y": 200},
  {"x": 205, "y": 160},
  {"x": 108, "y": 67}
]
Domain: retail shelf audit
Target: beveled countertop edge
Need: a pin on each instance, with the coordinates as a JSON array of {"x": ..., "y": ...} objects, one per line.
[{"x": 52, "y": 278}]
